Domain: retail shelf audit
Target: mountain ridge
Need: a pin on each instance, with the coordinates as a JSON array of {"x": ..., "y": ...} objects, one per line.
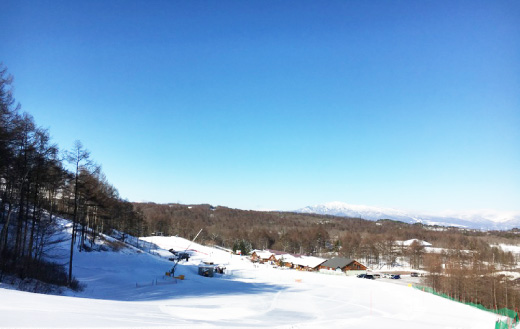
[{"x": 476, "y": 219}]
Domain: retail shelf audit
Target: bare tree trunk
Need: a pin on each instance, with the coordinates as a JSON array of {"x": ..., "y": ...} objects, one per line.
[
  {"x": 26, "y": 226},
  {"x": 5, "y": 230},
  {"x": 19, "y": 226},
  {"x": 78, "y": 156}
]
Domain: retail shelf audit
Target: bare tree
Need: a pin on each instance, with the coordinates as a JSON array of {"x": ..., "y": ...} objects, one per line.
[{"x": 79, "y": 157}]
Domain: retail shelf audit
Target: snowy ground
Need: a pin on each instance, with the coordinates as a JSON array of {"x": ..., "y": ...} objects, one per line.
[
  {"x": 509, "y": 248},
  {"x": 128, "y": 289}
]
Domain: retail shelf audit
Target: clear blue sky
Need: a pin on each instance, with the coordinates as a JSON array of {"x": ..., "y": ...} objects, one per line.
[{"x": 280, "y": 104}]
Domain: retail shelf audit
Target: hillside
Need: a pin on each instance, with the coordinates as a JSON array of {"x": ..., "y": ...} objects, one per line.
[
  {"x": 306, "y": 233},
  {"x": 126, "y": 288}
]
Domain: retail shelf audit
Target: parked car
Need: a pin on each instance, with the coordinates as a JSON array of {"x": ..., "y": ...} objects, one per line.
[
  {"x": 414, "y": 275},
  {"x": 361, "y": 276},
  {"x": 377, "y": 276},
  {"x": 395, "y": 277},
  {"x": 369, "y": 276}
]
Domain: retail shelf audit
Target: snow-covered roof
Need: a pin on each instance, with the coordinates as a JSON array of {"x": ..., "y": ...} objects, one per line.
[
  {"x": 310, "y": 261},
  {"x": 263, "y": 254},
  {"x": 409, "y": 242},
  {"x": 277, "y": 252},
  {"x": 286, "y": 258}
]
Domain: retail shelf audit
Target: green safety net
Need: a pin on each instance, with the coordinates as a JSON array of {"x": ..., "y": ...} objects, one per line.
[
  {"x": 501, "y": 325},
  {"x": 503, "y": 311}
]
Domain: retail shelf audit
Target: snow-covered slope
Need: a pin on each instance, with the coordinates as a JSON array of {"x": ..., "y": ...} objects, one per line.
[
  {"x": 484, "y": 219},
  {"x": 127, "y": 289}
]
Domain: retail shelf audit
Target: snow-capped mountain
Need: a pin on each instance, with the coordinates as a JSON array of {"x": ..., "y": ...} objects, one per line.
[{"x": 481, "y": 219}]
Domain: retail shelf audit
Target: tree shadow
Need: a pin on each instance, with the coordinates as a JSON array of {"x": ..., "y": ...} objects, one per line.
[{"x": 162, "y": 288}]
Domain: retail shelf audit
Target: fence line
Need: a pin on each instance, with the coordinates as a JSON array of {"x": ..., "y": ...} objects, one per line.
[{"x": 159, "y": 281}]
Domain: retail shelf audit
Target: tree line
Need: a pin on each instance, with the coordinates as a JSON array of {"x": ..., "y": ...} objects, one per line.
[
  {"x": 39, "y": 184},
  {"x": 311, "y": 234}
]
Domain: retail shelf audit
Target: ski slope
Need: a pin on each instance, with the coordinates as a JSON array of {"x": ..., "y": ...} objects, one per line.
[{"x": 127, "y": 289}]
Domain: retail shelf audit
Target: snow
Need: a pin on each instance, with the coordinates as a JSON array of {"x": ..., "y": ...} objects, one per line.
[
  {"x": 309, "y": 261},
  {"x": 263, "y": 254},
  {"x": 128, "y": 289},
  {"x": 409, "y": 242},
  {"x": 366, "y": 212},
  {"x": 508, "y": 248},
  {"x": 489, "y": 214},
  {"x": 478, "y": 219},
  {"x": 510, "y": 274},
  {"x": 436, "y": 250}
]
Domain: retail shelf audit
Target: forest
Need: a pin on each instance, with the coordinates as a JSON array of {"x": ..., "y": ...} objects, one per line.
[{"x": 40, "y": 183}]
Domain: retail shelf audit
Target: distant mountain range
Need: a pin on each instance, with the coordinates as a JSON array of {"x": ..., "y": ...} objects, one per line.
[{"x": 482, "y": 219}]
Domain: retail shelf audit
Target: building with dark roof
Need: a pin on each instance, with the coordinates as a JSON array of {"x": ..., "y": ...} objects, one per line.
[{"x": 343, "y": 264}]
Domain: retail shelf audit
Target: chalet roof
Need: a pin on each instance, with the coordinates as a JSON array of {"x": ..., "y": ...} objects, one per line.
[
  {"x": 263, "y": 254},
  {"x": 337, "y": 262},
  {"x": 277, "y": 252},
  {"x": 297, "y": 259},
  {"x": 288, "y": 258},
  {"x": 420, "y": 242},
  {"x": 310, "y": 261}
]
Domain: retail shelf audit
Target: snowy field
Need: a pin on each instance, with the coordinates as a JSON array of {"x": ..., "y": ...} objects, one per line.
[
  {"x": 509, "y": 248},
  {"x": 128, "y": 289}
]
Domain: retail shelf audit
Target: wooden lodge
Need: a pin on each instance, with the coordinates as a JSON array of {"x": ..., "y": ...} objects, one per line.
[
  {"x": 307, "y": 263},
  {"x": 343, "y": 264},
  {"x": 262, "y": 256},
  {"x": 286, "y": 260}
]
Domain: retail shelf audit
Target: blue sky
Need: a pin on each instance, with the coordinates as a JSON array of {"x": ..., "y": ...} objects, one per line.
[{"x": 280, "y": 104}]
